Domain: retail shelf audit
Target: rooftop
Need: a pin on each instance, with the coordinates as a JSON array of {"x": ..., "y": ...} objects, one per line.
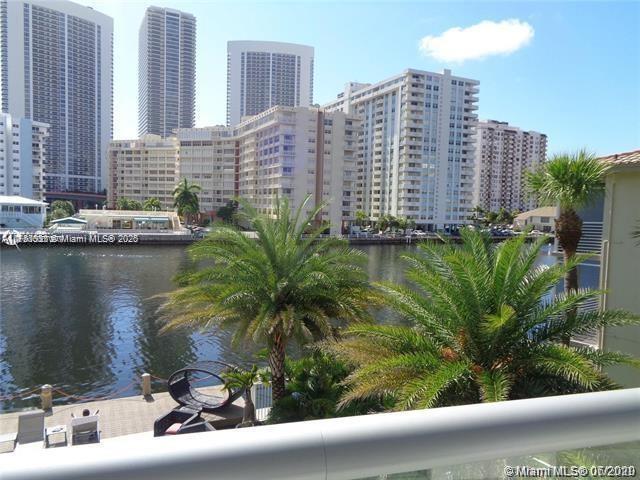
[
  {"x": 626, "y": 158},
  {"x": 538, "y": 212},
  {"x": 16, "y": 200},
  {"x": 69, "y": 220}
]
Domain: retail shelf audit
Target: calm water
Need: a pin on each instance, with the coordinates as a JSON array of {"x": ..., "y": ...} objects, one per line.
[{"x": 85, "y": 321}]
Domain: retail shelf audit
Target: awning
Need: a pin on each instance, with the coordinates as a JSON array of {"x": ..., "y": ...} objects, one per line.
[{"x": 69, "y": 220}]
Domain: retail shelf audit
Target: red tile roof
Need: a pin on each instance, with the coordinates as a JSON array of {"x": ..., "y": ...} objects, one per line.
[{"x": 626, "y": 158}]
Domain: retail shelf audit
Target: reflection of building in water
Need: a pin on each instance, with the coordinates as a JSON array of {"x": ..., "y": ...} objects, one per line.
[{"x": 130, "y": 220}]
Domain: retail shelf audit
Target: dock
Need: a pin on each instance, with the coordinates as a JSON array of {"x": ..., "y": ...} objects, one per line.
[{"x": 127, "y": 415}]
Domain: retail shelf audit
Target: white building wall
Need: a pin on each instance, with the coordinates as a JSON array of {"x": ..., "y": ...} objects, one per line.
[
  {"x": 19, "y": 213},
  {"x": 257, "y": 84},
  {"x": 415, "y": 158},
  {"x": 22, "y": 156}
]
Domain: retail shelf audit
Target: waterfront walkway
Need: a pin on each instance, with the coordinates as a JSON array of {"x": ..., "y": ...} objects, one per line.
[{"x": 128, "y": 415}]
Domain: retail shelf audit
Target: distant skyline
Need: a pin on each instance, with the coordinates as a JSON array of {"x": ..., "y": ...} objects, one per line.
[{"x": 567, "y": 69}]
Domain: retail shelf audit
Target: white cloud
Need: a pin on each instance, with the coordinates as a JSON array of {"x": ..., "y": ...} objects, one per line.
[{"x": 478, "y": 41}]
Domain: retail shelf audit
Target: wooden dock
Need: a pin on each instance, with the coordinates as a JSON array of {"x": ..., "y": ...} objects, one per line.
[{"x": 128, "y": 415}]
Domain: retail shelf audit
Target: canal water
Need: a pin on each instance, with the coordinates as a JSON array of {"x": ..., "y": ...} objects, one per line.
[{"x": 84, "y": 319}]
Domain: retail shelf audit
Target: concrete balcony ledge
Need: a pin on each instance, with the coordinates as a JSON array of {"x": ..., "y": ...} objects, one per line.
[{"x": 353, "y": 447}]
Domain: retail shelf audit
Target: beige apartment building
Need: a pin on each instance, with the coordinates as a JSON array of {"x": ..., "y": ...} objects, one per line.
[
  {"x": 503, "y": 156},
  {"x": 283, "y": 152},
  {"x": 142, "y": 169},
  {"x": 295, "y": 152},
  {"x": 207, "y": 157}
]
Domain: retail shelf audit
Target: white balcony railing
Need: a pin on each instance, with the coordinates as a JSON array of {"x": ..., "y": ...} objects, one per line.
[{"x": 348, "y": 448}]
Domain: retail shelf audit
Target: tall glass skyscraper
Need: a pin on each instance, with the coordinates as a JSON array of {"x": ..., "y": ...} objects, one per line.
[
  {"x": 57, "y": 68},
  {"x": 261, "y": 75},
  {"x": 166, "y": 71}
]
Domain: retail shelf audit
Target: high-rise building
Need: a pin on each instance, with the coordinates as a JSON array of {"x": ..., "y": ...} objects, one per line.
[
  {"x": 142, "y": 169},
  {"x": 297, "y": 152},
  {"x": 57, "y": 69},
  {"x": 503, "y": 155},
  {"x": 166, "y": 71},
  {"x": 261, "y": 75},
  {"x": 415, "y": 157},
  {"x": 22, "y": 156}
]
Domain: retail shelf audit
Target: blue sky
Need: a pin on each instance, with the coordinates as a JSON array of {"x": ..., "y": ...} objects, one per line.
[{"x": 575, "y": 77}]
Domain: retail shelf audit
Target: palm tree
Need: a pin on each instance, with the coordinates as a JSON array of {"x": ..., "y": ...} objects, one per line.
[
  {"x": 505, "y": 216},
  {"x": 491, "y": 217},
  {"x": 478, "y": 214},
  {"x": 237, "y": 379},
  {"x": 361, "y": 217},
  {"x": 151, "y": 204},
  {"x": 185, "y": 198},
  {"x": 483, "y": 328},
  {"x": 124, "y": 203},
  {"x": 285, "y": 285},
  {"x": 571, "y": 182}
]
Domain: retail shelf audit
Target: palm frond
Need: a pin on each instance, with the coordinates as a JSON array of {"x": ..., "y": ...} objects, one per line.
[
  {"x": 495, "y": 385},
  {"x": 424, "y": 392},
  {"x": 566, "y": 363},
  {"x": 570, "y": 180}
]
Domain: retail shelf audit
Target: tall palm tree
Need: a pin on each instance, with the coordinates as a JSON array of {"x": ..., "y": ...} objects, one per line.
[
  {"x": 482, "y": 328},
  {"x": 185, "y": 198},
  {"x": 571, "y": 182},
  {"x": 285, "y": 285}
]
